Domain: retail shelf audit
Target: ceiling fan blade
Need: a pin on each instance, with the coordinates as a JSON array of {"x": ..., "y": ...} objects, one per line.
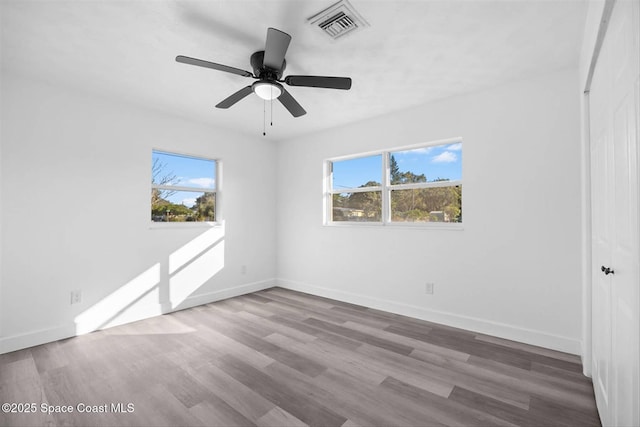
[
  {"x": 235, "y": 97},
  {"x": 319, "y": 81},
  {"x": 275, "y": 48},
  {"x": 291, "y": 104},
  {"x": 213, "y": 65}
]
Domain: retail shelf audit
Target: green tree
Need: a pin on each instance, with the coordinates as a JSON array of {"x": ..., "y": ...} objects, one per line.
[
  {"x": 205, "y": 207},
  {"x": 427, "y": 204},
  {"x": 360, "y": 206},
  {"x": 369, "y": 202},
  {"x": 398, "y": 177},
  {"x": 409, "y": 177},
  {"x": 394, "y": 170},
  {"x": 160, "y": 176},
  {"x": 171, "y": 211}
]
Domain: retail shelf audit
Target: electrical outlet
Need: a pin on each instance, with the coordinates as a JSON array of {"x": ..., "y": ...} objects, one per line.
[
  {"x": 243, "y": 269},
  {"x": 76, "y": 297},
  {"x": 428, "y": 288}
]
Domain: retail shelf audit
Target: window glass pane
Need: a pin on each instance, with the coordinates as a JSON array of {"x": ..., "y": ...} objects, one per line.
[
  {"x": 436, "y": 204},
  {"x": 360, "y": 207},
  {"x": 427, "y": 164},
  {"x": 185, "y": 171},
  {"x": 182, "y": 206},
  {"x": 355, "y": 173}
]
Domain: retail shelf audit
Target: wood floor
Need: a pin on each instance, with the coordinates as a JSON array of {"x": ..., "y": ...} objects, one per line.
[{"x": 280, "y": 358}]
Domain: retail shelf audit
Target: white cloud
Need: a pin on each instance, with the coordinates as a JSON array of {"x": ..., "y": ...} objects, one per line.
[
  {"x": 455, "y": 147},
  {"x": 409, "y": 153},
  {"x": 202, "y": 182},
  {"x": 189, "y": 202},
  {"x": 445, "y": 157},
  {"x": 422, "y": 150}
]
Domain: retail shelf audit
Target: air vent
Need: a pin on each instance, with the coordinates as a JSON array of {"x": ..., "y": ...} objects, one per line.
[{"x": 338, "y": 20}]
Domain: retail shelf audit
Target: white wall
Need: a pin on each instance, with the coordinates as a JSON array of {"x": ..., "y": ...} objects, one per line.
[
  {"x": 75, "y": 215},
  {"x": 515, "y": 269},
  {"x": 71, "y": 163}
]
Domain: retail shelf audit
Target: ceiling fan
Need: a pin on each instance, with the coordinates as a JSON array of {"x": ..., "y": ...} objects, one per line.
[{"x": 268, "y": 66}]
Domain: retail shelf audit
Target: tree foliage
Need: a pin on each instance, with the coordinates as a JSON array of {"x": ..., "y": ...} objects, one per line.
[
  {"x": 205, "y": 207},
  {"x": 440, "y": 204},
  {"x": 166, "y": 209},
  {"x": 160, "y": 176},
  {"x": 398, "y": 177},
  {"x": 203, "y": 210},
  {"x": 360, "y": 206},
  {"x": 395, "y": 170}
]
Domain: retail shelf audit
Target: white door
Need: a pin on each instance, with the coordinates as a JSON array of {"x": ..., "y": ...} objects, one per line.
[
  {"x": 614, "y": 105},
  {"x": 601, "y": 256}
]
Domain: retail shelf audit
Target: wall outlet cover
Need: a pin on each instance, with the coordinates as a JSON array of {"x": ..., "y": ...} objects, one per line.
[{"x": 76, "y": 297}]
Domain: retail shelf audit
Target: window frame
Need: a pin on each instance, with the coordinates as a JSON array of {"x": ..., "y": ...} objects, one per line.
[
  {"x": 386, "y": 188},
  {"x": 217, "y": 191},
  {"x": 329, "y": 183}
]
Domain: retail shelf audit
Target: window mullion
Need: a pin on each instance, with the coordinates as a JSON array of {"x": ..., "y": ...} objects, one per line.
[
  {"x": 328, "y": 193},
  {"x": 386, "y": 196},
  {"x": 181, "y": 188},
  {"x": 356, "y": 190},
  {"x": 432, "y": 184},
  {"x": 218, "y": 194}
]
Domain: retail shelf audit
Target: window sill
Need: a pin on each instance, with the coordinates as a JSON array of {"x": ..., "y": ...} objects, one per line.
[
  {"x": 419, "y": 225},
  {"x": 183, "y": 225},
  {"x": 353, "y": 224},
  {"x": 431, "y": 225}
]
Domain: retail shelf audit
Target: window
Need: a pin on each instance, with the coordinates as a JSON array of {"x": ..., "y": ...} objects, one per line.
[
  {"x": 420, "y": 184},
  {"x": 183, "y": 188},
  {"x": 357, "y": 189},
  {"x": 425, "y": 184}
]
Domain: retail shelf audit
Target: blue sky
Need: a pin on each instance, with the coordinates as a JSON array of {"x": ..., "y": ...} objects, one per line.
[
  {"x": 189, "y": 172},
  {"x": 441, "y": 161}
]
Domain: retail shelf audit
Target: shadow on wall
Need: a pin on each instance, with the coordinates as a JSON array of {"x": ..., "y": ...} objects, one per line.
[{"x": 188, "y": 268}]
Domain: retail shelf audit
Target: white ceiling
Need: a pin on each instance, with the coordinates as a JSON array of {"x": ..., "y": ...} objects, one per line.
[{"x": 413, "y": 52}]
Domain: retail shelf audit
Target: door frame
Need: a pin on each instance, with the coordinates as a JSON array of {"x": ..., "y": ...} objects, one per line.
[
  {"x": 603, "y": 15},
  {"x": 603, "y": 11}
]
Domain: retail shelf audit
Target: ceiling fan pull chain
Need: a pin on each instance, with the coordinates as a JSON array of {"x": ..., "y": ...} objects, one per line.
[{"x": 264, "y": 117}]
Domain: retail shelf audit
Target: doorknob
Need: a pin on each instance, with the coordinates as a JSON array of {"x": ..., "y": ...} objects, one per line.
[{"x": 606, "y": 270}]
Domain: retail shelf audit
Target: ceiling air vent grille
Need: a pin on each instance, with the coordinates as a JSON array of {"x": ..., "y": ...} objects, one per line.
[
  {"x": 338, "y": 20},
  {"x": 338, "y": 25}
]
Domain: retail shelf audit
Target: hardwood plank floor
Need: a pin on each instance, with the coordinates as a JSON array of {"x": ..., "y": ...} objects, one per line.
[{"x": 284, "y": 358}]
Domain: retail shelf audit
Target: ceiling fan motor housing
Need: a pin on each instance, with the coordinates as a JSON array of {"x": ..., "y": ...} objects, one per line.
[{"x": 266, "y": 73}]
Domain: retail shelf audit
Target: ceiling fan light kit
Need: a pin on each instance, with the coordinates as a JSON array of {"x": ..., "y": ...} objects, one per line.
[
  {"x": 268, "y": 67},
  {"x": 267, "y": 90}
]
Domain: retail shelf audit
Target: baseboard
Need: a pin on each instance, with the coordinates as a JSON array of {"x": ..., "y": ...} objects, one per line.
[
  {"x": 528, "y": 336},
  {"x": 501, "y": 330},
  {"x": 201, "y": 299},
  {"x": 43, "y": 336}
]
